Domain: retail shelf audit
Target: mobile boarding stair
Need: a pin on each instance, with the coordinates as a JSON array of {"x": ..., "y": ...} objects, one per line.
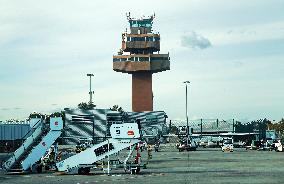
[
  {"x": 36, "y": 145},
  {"x": 123, "y": 136}
]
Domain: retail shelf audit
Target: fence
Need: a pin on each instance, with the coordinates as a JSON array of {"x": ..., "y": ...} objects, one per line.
[{"x": 204, "y": 125}]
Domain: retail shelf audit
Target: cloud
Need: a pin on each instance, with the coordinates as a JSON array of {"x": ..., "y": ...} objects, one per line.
[
  {"x": 238, "y": 63},
  {"x": 47, "y": 52},
  {"x": 247, "y": 33},
  {"x": 195, "y": 41}
]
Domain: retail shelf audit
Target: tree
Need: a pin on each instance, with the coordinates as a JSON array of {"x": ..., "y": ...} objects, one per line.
[
  {"x": 58, "y": 114},
  {"x": 117, "y": 108},
  {"x": 279, "y": 127},
  {"x": 36, "y": 115},
  {"x": 86, "y": 106},
  {"x": 173, "y": 129},
  {"x": 124, "y": 114}
]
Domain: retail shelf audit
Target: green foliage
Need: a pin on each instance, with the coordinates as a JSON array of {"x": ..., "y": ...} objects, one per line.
[
  {"x": 173, "y": 129},
  {"x": 252, "y": 126},
  {"x": 117, "y": 108},
  {"x": 259, "y": 126},
  {"x": 279, "y": 127},
  {"x": 58, "y": 114},
  {"x": 86, "y": 106},
  {"x": 36, "y": 115},
  {"x": 124, "y": 114}
]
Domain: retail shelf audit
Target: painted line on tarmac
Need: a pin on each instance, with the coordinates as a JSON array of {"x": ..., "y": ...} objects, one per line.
[{"x": 49, "y": 176}]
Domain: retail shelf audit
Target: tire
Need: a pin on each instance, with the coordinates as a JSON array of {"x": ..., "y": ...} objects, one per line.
[
  {"x": 135, "y": 171},
  {"x": 84, "y": 171},
  {"x": 138, "y": 170},
  {"x": 39, "y": 169},
  {"x": 80, "y": 171},
  {"x": 87, "y": 170}
]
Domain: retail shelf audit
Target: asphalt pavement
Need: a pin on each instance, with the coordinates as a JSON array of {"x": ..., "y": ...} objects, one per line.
[{"x": 206, "y": 165}]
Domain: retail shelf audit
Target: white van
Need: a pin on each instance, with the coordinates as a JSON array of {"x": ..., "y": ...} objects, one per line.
[{"x": 228, "y": 144}]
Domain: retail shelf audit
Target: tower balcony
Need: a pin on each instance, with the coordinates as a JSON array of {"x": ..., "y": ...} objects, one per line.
[
  {"x": 138, "y": 42},
  {"x": 141, "y": 62}
]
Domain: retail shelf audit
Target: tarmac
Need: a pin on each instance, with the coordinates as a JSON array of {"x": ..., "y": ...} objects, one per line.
[{"x": 206, "y": 165}]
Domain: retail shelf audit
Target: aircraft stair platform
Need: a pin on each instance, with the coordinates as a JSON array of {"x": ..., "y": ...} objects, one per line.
[
  {"x": 36, "y": 145},
  {"x": 123, "y": 136}
]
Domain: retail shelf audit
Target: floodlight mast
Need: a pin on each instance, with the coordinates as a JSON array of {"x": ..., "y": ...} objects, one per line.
[
  {"x": 186, "y": 111},
  {"x": 91, "y": 92}
]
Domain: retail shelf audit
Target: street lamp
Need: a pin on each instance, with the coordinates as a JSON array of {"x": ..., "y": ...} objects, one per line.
[
  {"x": 91, "y": 92},
  {"x": 186, "y": 113}
]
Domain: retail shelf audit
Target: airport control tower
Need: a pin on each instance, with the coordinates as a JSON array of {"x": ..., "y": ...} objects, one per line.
[{"x": 140, "y": 57}]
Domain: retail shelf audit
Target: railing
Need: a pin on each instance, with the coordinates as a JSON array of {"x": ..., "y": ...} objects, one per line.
[
  {"x": 32, "y": 129},
  {"x": 142, "y": 58}
]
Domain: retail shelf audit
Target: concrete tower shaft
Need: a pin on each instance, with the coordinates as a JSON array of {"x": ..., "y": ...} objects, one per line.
[{"x": 142, "y": 95}]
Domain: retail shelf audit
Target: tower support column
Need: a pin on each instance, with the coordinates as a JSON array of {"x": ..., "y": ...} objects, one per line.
[{"x": 142, "y": 95}]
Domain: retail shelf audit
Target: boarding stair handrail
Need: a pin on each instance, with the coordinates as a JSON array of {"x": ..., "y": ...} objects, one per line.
[{"x": 32, "y": 129}]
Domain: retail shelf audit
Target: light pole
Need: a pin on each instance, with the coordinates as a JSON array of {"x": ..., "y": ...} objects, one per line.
[
  {"x": 186, "y": 113},
  {"x": 90, "y": 92}
]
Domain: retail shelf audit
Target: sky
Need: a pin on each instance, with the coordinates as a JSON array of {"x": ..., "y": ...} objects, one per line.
[{"x": 230, "y": 51}]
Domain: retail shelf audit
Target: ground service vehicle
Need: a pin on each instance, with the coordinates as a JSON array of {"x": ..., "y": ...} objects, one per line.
[
  {"x": 188, "y": 145},
  {"x": 228, "y": 145},
  {"x": 122, "y": 136}
]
